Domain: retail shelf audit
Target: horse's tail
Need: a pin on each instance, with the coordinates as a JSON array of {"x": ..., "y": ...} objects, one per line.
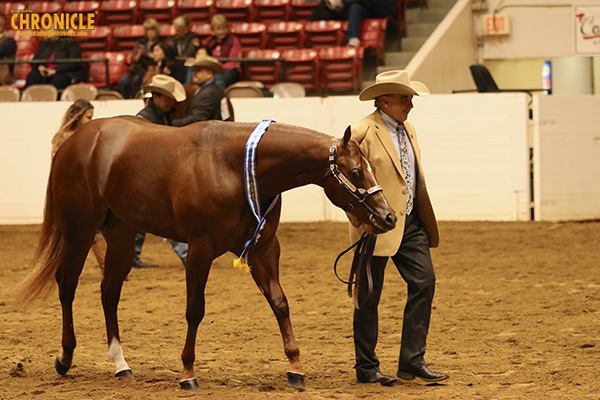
[{"x": 47, "y": 259}]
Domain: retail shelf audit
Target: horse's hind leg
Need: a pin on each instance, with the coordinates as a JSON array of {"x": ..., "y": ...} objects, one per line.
[
  {"x": 119, "y": 257},
  {"x": 77, "y": 245},
  {"x": 264, "y": 259}
]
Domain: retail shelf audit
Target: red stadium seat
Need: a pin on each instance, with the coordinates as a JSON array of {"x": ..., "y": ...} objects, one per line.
[
  {"x": 26, "y": 42},
  {"x": 323, "y": 34},
  {"x": 200, "y": 11},
  {"x": 21, "y": 71},
  {"x": 251, "y": 34},
  {"x": 166, "y": 30},
  {"x": 300, "y": 10},
  {"x": 161, "y": 10},
  {"x": 285, "y": 35},
  {"x": 117, "y": 67},
  {"x": 125, "y": 37},
  {"x": 85, "y": 7},
  {"x": 235, "y": 10},
  {"x": 270, "y": 10},
  {"x": 341, "y": 68},
  {"x": 41, "y": 7},
  {"x": 372, "y": 36},
  {"x": 119, "y": 12},
  {"x": 203, "y": 30},
  {"x": 266, "y": 72},
  {"x": 5, "y": 10},
  {"x": 302, "y": 66},
  {"x": 99, "y": 39}
]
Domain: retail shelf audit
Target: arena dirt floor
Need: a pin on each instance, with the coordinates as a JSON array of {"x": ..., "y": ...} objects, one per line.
[{"x": 516, "y": 316}]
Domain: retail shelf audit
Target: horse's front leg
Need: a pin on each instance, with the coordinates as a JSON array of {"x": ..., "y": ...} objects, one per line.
[
  {"x": 264, "y": 260},
  {"x": 200, "y": 257},
  {"x": 119, "y": 258}
]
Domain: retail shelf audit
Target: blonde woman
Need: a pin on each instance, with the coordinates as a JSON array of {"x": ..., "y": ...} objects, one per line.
[
  {"x": 223, "y": 44},
  {"x": 79, "y": 113},
  {"x": 140, "y": 59}
]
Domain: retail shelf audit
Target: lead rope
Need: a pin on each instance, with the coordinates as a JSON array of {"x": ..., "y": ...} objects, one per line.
[{"x": 363, "y": 256}]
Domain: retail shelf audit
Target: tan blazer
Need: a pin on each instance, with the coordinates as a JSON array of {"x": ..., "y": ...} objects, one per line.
[{"x": 375, "y": 140}]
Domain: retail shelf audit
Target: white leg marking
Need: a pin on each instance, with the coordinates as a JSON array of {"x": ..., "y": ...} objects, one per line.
[{"x": 115, "y": 353}]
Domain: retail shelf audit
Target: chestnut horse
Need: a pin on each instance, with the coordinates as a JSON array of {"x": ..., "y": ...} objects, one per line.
[{"x": 124, "y": 175}]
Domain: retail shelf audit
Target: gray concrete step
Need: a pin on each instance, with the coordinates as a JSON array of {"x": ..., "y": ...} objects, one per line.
[
  {"x": 413, "y": 44},
  {"x": 367, "y": 83},
  {"x": 420, "y": 29},
  {"x": 420, "y": 15},
  {"x": 399, "y": 59},
  {"x": 440, "y": 4}
]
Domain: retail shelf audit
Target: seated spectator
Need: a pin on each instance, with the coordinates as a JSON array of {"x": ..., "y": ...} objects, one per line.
[
  {"x": 207, "y": 100},
  {"x": 60, "y": 75},
  {"x": 224, "y": 44},
  {"x": 8, "y": 49},
  {"x": 164, "y": 62},
  {"x": 185, "y": 44},
  {"x": 140, "y": 59},
  {"x": 354, "y": 11}
]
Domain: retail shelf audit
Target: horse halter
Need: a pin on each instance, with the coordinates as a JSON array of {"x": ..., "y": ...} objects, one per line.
[{"x": 359, "y": 194}]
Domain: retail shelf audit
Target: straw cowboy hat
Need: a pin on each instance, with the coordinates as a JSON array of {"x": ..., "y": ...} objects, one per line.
[
  {"x": 205, "y": 61},
  {"x": 167, "y": 85},
  {"x": 393, "y": 82}
]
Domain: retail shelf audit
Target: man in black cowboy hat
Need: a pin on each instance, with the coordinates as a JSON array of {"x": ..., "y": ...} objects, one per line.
[
  {"x": 207, "y": 100},
  {"x": 391, "y": 144},
  {"x": 164, "y": 92}
]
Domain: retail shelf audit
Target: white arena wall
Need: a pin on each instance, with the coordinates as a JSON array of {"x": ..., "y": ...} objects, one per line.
[
  {"x": 567, "y": 158},
  {"x": 475, "y": 152}
]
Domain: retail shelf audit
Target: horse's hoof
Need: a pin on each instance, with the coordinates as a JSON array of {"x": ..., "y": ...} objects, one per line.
[
  {"x": 189, "y": 384},
  {"x": 296, "y": 381},
  {"x": 61, "y": 369},
  {"x": 126, "y": 373}
]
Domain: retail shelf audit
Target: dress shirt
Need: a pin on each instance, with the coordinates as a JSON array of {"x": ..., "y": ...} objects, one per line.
[{"x": 391, "y": 125}]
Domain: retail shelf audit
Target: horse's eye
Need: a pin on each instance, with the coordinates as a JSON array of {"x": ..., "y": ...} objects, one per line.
[{"x": 356, "y": 174}]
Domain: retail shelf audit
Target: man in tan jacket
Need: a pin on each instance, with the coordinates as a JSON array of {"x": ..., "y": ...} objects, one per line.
[{"x": 391, "y": 145}]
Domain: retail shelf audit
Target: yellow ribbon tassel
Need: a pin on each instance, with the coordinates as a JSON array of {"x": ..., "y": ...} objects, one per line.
[{"x": 240, "y": 264}]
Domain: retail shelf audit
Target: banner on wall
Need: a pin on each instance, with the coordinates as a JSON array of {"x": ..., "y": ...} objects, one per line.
[{"x": 587, "y": 29}]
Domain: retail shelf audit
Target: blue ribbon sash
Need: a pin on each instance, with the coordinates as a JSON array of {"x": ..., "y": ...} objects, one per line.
[{"x": 252, "y": 192}]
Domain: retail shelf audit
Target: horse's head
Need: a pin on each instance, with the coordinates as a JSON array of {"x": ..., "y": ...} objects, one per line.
[{"x": 355, "y": 188}]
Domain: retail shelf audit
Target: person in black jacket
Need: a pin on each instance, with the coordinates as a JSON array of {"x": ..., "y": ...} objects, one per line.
[
  {"x": 165, "y": 91},
  {"x": 207, "y": 100},
  {"x": 354, "y": 11},
  {"x": 8, "y": 49},
  {"x": 60, "y": 75},
  {"x": 185, "y": 43}
]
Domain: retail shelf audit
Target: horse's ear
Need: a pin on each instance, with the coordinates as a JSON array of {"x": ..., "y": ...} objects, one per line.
[{"x": 347, "y": 135}]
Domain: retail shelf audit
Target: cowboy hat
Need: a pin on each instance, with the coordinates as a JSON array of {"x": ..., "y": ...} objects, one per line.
[
  {"x": 166, "y": 85},
  {"x": 393, "y": 82},
  {"x": 205, "y": 61}
]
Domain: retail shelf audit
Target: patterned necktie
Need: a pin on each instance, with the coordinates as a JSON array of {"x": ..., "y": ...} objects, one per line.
[{"x": 404, "y": 161}]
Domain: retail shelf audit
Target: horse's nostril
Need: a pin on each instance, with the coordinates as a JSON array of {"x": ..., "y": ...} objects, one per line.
[{"x": 390, "y": 218}]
